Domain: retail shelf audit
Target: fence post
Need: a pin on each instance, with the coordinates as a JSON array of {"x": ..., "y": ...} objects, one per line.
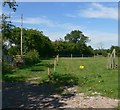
[
  {"x": 49, "y": 70},
  {"x": 57, "y": 58},
  {"x": 71, "y": 56},
  {"x": 109, "y": 61},
  {"x": 94, "y": 55},
  {"x": 54, "y": 64},
  {"x": 82, "y": 55},
  {"x": 114, "y": 59}
]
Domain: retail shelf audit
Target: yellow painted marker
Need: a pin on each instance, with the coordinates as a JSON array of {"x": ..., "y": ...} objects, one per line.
[{"x": 82, "y": 67}]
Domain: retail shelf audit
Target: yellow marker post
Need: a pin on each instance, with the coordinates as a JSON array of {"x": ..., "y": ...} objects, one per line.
[{"x": 82, "y": 67}]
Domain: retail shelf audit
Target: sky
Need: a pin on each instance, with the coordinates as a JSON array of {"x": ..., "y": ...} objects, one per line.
[
  {"x": 97, "y": 20},
  {"x": 67, "y": 0}
]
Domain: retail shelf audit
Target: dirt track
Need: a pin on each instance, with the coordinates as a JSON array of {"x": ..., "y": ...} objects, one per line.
[{"x": 26, "y": 95}]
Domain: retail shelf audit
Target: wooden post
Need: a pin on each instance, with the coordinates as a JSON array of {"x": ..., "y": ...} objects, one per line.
[
  {"x": 82, "y": 55},
  {"x": 114, "y": 58},
  {"x": 49, "y": 70},
  {"x": 111, "y": 57},
  {"x": 109, "y": 62},
  {"x": 55, "y": 64},
  {"x": 94, "y": 55},
  {"x": 71, "y": 56},
  {"x": 21, "y": 33},
  {"x": 57, "y": 58}
]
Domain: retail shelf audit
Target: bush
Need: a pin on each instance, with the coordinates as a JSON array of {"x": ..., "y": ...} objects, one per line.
[
  {"x": 64, "y": 79},
  {"x": 32, "y": 57},
  {"x": 104, "y": 53},
  {"x": 7, "y": 68}
]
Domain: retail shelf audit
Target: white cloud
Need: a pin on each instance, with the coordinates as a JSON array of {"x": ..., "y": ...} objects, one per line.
[
  {"x": 97, "y": 10},
  {"x": 107, "y": 39},
  {"x": 38, "y": 20},
  {"x": 49, "y": 23},
  {"x": 55, "y": 35},
  {"x": 69, "y": 26}
]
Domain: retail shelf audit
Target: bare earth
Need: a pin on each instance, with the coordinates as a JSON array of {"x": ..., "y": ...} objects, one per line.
[
  {"x": 27, "y": 95},
  {"x": 82, "y": 101}
]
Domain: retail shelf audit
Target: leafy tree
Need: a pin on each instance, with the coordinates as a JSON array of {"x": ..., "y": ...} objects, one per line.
[
  {"x": 76, "y": 36},
  {"x": 35, "y": 39},
  {"x": 14, "y": 41},
  {"x": 67, "y": 48},
  {"x": 6, "y": 24},
  {"x": 78, "y": 43},
  {"x": 32, "y": 39},
  {"x": 117, "y": 49},
  {"x": 11, "y": 3}
]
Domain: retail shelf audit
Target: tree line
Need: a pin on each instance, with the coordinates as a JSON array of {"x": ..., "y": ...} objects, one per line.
[{"x": 73, "y": 43}]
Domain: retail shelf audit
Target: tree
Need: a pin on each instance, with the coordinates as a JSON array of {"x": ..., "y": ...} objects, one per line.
[
  {"x": 79, "y": 40},
  {"x": 32, "y": 39},
  {"x": 117, "y": 49},
  {"x": 11, "y": 3},
  {"x": 76, "y": 36},
  {"x": 14, "y": 41},
  {"x": 6, "y": 24},
  {"x": 35, "y": 39}
]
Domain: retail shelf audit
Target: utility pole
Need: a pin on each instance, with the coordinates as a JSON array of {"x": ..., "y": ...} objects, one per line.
[{"x": 21, "y": 32}]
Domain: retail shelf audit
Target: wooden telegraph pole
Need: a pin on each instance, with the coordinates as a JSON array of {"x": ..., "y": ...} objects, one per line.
[
  {"x": 21, "y": 32},
  {"x": 19, "y": 58}
]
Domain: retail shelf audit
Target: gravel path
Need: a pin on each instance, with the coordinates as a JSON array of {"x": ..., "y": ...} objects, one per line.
[
  {"x": 82, "y": 101},
  {"x": 26, "y": 95}
]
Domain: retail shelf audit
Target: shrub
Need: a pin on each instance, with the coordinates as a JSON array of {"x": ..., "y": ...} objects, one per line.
[
  {"x": 64, "y": 79},
  {"x": 32, "y": 57},
  {"x": 7, "y": 68},
  {"x": 104, "y": 53}
]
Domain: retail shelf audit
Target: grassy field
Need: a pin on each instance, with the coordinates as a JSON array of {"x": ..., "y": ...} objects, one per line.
[{"x": 95, "y": 77}]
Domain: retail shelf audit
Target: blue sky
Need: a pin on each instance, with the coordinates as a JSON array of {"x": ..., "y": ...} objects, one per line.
[{"x": 98, "y": 20}]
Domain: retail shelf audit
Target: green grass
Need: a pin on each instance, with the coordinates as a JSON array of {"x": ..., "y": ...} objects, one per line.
[
  {"x": 26, "y": 73},
  {"x": 95, "y": 77}
]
